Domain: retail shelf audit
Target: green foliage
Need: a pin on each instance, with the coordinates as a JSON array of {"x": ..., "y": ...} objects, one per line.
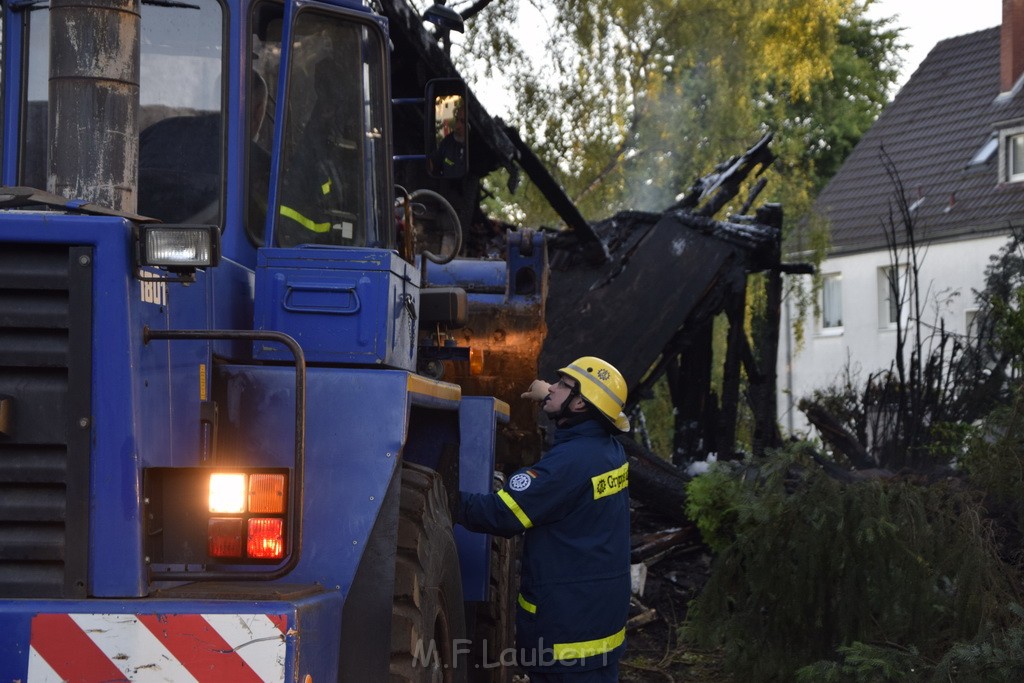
[
  {"x": 950, "y": 440},
  {"x": 710, "y": 500},
  {"x": 993, "y": 658},
  {"x": 995, "y": 655},
  {"x": 995, "y": 457},
  {"x": 627, "y": 103},
  {"x": 659, "y": 416},
  {"x": 994, "y": 462},
  {"x": 816, "y": 565},
  {"x": 999, "y": 333},
  {"x": 865, "y": 663},
  {"x": 1009, "y": 316}
]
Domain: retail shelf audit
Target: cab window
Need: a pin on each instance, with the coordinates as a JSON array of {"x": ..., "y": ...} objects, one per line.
[
  {"x": 334, "y": 187},
  {"x": 181, "y": 116}
]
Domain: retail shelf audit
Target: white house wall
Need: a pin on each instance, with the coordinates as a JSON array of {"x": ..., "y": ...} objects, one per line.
[{"x": 861, "y": 343}]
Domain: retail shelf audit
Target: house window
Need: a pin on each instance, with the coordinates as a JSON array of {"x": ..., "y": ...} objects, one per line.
[
  {"x": 971, "y": 324},
  {"x": 1015, "y": 158},
  {"x": 832, "y": 302},
  {"x": 889, "y": 281}
]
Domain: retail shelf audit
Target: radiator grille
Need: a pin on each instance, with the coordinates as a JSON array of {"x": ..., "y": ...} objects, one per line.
[{"x": 45, "y": 419}]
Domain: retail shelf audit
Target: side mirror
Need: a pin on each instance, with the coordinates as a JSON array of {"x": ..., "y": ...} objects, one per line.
[{"x": 447, "y": 130}]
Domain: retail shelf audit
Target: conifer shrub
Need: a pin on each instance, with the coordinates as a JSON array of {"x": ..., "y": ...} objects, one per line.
[
  {"x": 994, "y": 463},
  {"x": 879, "y": 577}
]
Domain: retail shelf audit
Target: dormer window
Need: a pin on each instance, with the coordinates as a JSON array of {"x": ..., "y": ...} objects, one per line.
[
  {"x": 1011, "y": 155},
  {"x": 1015, "y": 158}
]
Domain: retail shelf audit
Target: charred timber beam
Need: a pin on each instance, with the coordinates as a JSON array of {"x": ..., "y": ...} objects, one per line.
[
  {"x": 724, "y": 183},
  {"x": 595, "y": 249},
  {"x": 666, "y": 540},
  {"x": 686, "y": 337},
  {"x": 837, "y": 436},
  {"x": 474, "y": 9},
  {"x": 762, "y": 397},
  {"x": 727, "y": 184},
  {"x": 755, "y": 238},
  {"x": 696, "y": 405},
  {"x": 755, "y": 191},
  {"x": 796, "y": 268},
  {"x": 731, "y": 375},
  {"x": 672, "y": 272},
  {"x": 654, "y": 482}
]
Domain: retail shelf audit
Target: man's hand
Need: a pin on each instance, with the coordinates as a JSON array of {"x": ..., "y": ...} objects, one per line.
[{"x": 538, "y": 390}]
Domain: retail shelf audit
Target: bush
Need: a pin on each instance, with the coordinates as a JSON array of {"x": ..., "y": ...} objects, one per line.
[
  {"x": 994, "y": 463},
  {"x": 815, "y": 566}
]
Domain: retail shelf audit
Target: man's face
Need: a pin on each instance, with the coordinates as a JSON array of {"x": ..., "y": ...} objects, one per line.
[{"x": 558, "y": 393}]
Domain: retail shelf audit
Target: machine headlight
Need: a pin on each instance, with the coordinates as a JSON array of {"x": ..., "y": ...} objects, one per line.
[{"x": 179, "y": 247}]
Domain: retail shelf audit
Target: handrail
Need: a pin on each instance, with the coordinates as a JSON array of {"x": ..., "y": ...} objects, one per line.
[{"x": 300, "y": 447}]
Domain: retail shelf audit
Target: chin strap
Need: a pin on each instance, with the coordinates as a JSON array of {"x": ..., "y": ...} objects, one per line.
[{"x": 564, "y": 413}]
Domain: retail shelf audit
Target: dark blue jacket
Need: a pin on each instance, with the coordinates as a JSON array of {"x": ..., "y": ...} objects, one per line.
[{"x": 573, "y": 506}]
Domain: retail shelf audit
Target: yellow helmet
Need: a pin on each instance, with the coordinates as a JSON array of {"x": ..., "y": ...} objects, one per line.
[{"x": 602, "y": 386}]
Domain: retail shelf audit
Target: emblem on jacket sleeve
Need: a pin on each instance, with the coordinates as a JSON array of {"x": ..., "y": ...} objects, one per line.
[
  {"x": 520, "y": 482},
  {"x": 611, "y": 482}
]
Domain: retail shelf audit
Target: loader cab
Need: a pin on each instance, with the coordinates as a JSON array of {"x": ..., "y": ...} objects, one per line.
[{"x": 274, "y": 129}]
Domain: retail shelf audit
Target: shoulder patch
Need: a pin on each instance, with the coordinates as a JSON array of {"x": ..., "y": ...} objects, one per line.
[
  {"x": 520, "y": 482},
  {"x": 610, "y": 482}
]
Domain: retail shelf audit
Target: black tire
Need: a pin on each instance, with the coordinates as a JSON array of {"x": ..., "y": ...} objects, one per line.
[
  {"x": 428, "y": 628},
  {"x": 494, "y": 621}
]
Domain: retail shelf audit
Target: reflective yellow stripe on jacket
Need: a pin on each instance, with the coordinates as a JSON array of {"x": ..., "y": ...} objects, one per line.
[
  {"x": 514, "y": 507},
  {"x": 589, "y": 648},
  {"x": 308, "y": 224},
  {"x": 526, "y": 604}
]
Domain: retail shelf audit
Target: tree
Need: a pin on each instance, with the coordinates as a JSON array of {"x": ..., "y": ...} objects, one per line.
[{"x": 629, "y": 102}]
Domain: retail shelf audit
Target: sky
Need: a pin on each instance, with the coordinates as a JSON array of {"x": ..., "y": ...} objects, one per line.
[{"x": 926, "y": 22}]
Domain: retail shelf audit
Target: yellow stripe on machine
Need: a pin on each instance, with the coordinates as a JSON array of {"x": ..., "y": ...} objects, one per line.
[
  {"x": 589, "y": 648},
  {"x": 514, "y": 507},
  {"x": 430, "y": 388}
]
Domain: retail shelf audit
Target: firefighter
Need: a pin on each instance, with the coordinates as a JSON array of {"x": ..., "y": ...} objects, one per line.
[
  {"x": 573, "y": 509},
  {"x": 449, "y": 159}
]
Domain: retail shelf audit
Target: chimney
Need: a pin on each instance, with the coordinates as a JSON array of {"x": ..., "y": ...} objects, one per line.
[{"x": 1011, "y": 44}]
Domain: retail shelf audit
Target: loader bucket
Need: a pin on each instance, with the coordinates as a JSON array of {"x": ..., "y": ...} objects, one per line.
[{"x": 504, "y": 332}]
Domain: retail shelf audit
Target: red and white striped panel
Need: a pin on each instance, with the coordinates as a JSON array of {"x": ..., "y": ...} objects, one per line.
[{"x": 243, "y": 648}]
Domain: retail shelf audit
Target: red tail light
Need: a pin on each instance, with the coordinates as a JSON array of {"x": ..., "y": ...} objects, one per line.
[
  {"x": 266, "y": 538},
  {"x": 224, "y": 537}
]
